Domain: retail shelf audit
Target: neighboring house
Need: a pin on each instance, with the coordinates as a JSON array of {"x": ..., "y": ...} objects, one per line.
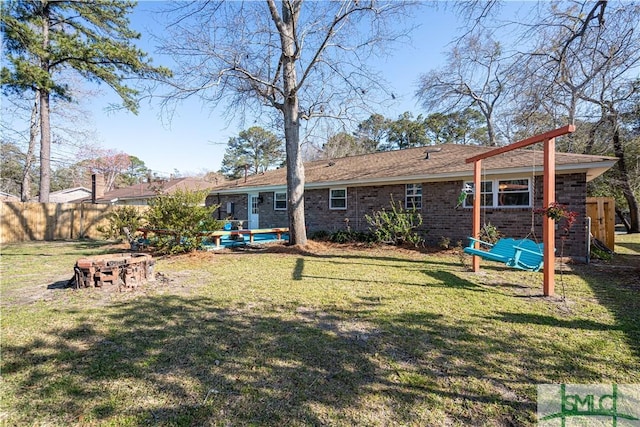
[
  {"x": 351, "y": 187},
  {"x": 139, "y": 194},
  {"x": 68, "y": 195}
]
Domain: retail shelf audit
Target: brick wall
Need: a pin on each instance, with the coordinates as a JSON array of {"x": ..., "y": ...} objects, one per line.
[
  {"x": 269, "y": 217},
  {"x": 239, "y": 205},
  {"x": 440, "y": 218},
  {"x": 360, "y": 202}
]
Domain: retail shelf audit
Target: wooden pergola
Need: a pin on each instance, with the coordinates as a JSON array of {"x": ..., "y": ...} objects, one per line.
[{"x": 549, "y": 196}]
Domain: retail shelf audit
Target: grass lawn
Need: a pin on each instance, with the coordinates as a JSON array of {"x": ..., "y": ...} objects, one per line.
[{"x": 337, "y": 336}]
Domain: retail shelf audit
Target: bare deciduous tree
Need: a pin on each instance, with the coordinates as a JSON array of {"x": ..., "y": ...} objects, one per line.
[
  {"x": 584, "y": 67},
  {"x": 475, "y": 75},
  {"x": 299, "y": 60}
]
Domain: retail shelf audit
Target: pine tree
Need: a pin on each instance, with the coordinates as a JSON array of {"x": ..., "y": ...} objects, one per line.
[
  {"x": 255, "y": 149},
  {"x": 45, "y": 38}
]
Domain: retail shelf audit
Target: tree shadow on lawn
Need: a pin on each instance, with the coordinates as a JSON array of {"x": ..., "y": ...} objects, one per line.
[
  {"x": 75, "y": 247},
  {"x": 619, "y": 292},
  {"x": 539, "y": 319},
  {"x": 176, "y": 360},
  {"x": 449, "y": 280},
  {"x": 441, "y": 278},
  {"x": 420, "y": 258}
]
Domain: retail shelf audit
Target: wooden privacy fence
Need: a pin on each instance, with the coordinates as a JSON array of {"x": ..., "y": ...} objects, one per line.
[
  {"x": 52, "y": 221},
  {"x": 602, "y": 211}
]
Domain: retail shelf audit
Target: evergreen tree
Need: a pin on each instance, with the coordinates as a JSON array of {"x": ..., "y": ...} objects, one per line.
[
  {"x": 342, "y": 145},
  {"x": 405, "y": 132},
  {"x": 255, "y": 149},
  {"x": 44, "y": 38},
  {"x": 457, "y": 127},
  {"x": 136, "y": 172},
  {"x": 372, "y": 132}
]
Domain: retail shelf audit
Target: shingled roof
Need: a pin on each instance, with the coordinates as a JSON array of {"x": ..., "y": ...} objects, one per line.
[{"x": 424, "y": 164}]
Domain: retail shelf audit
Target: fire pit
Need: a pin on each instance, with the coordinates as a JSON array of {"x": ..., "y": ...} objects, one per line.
[{"x": 123, "y": 270}]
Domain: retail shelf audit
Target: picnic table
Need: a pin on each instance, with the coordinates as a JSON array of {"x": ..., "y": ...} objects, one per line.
[{"x": 218, "y": 234}]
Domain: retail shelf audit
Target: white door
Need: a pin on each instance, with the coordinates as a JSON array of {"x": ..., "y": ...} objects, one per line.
[{"x": 254, "y": 220}]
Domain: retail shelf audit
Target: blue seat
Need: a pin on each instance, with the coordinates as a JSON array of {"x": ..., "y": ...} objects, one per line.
[{"x": 522, "y": 254}]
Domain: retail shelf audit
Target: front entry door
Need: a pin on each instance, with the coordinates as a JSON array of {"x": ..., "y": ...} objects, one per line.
[{"x": 254, "y": 218}]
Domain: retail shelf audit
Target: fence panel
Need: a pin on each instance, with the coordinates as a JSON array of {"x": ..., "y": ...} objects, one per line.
[
  {"x": 22, "y": 222},
  {"x": 603, "y": 219}
]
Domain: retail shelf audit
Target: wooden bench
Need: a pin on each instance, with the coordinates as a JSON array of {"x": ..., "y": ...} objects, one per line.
[{"x": 218, "y": 234}]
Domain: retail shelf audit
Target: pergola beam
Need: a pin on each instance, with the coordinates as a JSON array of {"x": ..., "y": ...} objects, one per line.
[{"x": 524, "y": 143}]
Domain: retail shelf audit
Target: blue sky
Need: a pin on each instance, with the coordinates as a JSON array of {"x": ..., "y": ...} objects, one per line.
[{"x": 195, "y": 139}]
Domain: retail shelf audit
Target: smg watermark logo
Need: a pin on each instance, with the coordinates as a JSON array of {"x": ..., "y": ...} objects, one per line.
[{"x": 568, "y": 405}]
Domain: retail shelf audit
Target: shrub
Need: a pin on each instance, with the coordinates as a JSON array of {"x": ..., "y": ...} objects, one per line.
[
  {"x": 349, "y": 236},
  {"x": 396, "y": 226},
  {"x": 120, "y": 217},
  {"x": 489, "y": 233},
  {"x": 320, "y": 235},
  {"x": 444, "y": 242},
  {"x": 184, "y": 213}
]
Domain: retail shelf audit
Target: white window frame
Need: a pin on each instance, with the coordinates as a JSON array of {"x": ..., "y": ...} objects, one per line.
[
  {"x": 495, "y": 193},
  {"x": 275, "y": 201},
  {"x": 332, "y": 198},
  {"x": 413, "y": 196}
]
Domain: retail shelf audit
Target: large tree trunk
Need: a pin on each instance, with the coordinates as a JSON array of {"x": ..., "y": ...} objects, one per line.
[
  {"x": 45, "y": 148},
  {"x": 25, "y": 191},
  {"x": 291, "y": 112},
  {"x": 295, "y": 177},
  {"x": 627, "y": 191},
  {"x": 45, "y": 126}
]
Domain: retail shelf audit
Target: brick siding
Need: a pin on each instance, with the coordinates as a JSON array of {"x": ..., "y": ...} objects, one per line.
[{"x": 440, "y": 218}]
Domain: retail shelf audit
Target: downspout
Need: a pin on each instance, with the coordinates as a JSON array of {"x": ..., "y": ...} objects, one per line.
[
  {"x": 357, "y": 212},
  {"x": 588, "y": 232}
]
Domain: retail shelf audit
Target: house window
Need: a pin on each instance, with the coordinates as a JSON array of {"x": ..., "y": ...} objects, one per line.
[
  {"x": 413, "y": 196},
  {"x": 486, "y": 194},
  {"x": 338, "y": 198},
  {"x": 513, "y": 192},
  {"x": 503, "y": 192},
  {"x": 280, "y": 201}
]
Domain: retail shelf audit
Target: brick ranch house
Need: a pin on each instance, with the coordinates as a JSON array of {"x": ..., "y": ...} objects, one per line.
[{"x": 350, "y": 187}]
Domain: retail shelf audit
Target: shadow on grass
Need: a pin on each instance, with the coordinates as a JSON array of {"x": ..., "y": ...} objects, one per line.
[
  {"x": 635, "y": 247},
  {"x": 176, "y": 360},
  {"x": 298, "y": 269},
  {"x": 67, "y": 247},
  {"x": 538, "y": 319},
  {"x": 449, "y": 280},
  {"x": 60, "y": 284},
  {"x": 618, "y": 291}
]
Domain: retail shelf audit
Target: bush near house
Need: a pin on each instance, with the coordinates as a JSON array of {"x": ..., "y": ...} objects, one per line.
[
  {"x": 396, "y": 226},
  {"x": 185, "y": 214},
  {"x": 122, "y": 217}
]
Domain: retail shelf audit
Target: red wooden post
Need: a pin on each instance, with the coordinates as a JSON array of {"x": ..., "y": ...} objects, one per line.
[
  {"x": 548, "y": 226},
  {"x": 477, "y": 195}
]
